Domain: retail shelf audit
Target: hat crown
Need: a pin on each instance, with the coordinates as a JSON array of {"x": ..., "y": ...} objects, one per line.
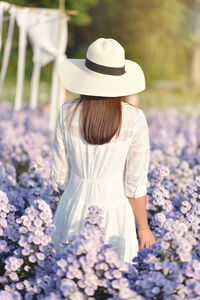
[{"x": 106, "y": 52}]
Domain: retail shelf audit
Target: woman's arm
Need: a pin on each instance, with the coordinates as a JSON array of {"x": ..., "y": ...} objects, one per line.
[
  {"x": 146, "y": 236},
  {"x": 60, "y": 168},
  {"x": 136, "y": 179},
  {"x": 139, "y": 209}
]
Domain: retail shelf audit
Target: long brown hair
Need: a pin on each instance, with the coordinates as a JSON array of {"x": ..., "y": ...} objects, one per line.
[{"x": 100, "y": 118}]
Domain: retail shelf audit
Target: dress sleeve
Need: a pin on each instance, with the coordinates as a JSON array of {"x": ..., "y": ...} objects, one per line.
[
  {"x": 60, "y": 168},
  {"x": 137, "y": 161}
]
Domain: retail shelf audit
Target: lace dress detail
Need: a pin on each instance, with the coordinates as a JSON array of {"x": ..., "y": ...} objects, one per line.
[{"x": 103, "y": 175}]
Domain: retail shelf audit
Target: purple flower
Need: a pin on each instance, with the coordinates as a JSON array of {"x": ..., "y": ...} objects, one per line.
[
  {"x": 185, "y": 256},
  {"x": 89, "y": 291},
  {"x": 4, "y": 295}
]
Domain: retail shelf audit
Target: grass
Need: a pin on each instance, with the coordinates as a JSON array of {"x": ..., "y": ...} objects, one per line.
[
  {"x": 9, "y": 91},
  {"x": 185, "y": 99}
]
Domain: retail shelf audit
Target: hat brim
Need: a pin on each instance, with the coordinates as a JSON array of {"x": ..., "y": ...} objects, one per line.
[{"x": 77, "y": 78}]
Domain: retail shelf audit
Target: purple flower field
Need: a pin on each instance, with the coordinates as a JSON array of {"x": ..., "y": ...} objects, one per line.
[{"x": 89, "y": 269}]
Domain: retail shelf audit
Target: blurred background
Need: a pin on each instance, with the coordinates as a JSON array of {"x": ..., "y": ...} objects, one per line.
[{"x": 162, "y": 36}]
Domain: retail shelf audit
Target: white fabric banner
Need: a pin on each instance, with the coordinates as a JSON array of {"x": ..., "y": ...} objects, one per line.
[
  {"x": 7, "y": 48},
  {"x": 47, "y": 33},
  {"x": 3, "y": 6}
]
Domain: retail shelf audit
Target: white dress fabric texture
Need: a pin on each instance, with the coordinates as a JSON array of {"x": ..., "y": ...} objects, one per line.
[{"x": 103, "y": 175}]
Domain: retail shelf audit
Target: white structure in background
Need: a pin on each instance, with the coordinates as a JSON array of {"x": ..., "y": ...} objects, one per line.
[
  {"x": 47, "y": 31},
  {"x": 3, "y": 6}
]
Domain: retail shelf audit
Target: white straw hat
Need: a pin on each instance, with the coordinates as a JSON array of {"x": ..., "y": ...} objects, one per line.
[{"x": 104, "y": 72}]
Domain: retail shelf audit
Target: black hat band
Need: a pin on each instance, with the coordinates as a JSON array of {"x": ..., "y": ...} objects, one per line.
[{"x": 104, "y": 69}]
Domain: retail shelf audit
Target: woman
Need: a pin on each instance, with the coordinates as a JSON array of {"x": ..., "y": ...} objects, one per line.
[{"x": 101, "y": 149}]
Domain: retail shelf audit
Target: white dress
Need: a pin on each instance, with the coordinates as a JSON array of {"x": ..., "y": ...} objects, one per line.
[{"x": 103, "y": 175}]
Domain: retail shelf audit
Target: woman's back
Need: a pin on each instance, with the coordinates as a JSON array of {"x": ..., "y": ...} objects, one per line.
[
  {"x": 99, "y": 162},
  {"x": 103, "y": 175}
]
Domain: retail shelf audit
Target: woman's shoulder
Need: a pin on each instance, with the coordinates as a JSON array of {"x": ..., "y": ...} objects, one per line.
[
  {"x": 69, "y": 104},
  {"x": 71, "y": 101},
  {"x": 133, "y": 111},
  {"x": 132, "y": 107},
  {"x": 135, "y": 116},
  {"x": 67, "y": 109}
]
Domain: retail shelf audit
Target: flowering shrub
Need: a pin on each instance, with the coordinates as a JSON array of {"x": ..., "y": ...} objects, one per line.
[{"x": 87, "y": 268}]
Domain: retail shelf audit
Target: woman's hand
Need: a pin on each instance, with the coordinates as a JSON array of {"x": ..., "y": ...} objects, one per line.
[{"x": 146, "y": 237}]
